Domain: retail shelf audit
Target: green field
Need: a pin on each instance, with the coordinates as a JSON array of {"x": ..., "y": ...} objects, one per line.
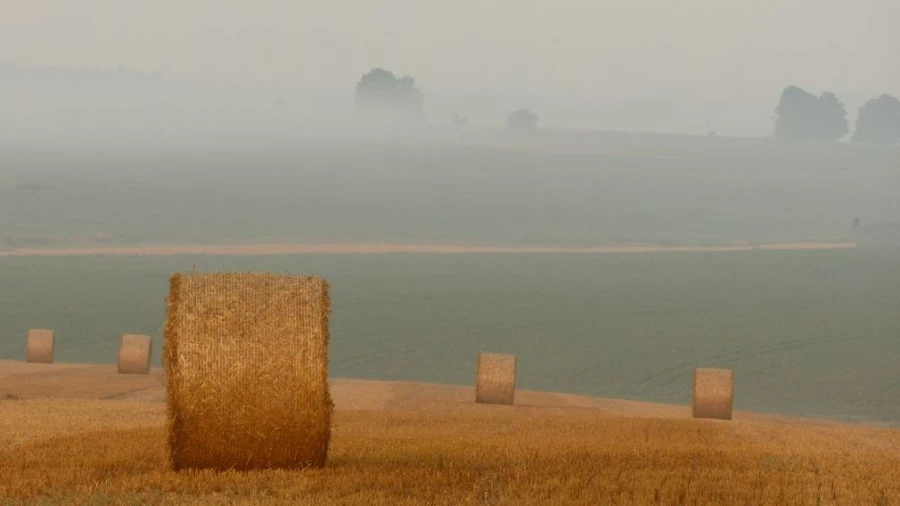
[
  {"x": 574, "y": 190},
  {"x": 806, "y": 332}
]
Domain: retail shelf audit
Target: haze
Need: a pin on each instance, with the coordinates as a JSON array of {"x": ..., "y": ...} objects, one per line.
[
  {"x": 576, "y": 63},
  {"x": 600, "y": 189}
]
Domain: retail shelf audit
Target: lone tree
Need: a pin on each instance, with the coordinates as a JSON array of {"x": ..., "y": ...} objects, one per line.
[
  {"x": 878, "y": 121},
  {"x": 382, "y": 97},
  {"x": 802, "y": 116},
  {"x": 522, "y": 120},
  {"x": 460, "y": 121}
]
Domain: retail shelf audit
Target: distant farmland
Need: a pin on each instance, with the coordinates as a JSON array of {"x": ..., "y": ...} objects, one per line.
[{"x": 552, "y": 188}]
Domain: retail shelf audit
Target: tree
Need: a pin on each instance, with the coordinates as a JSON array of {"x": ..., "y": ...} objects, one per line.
[
  {"x": 460, "y": 121},
  {"x": 878, "y": 121},
  {"x": 802, "y": 116},
  {"x": 383, "y": 97},
  {"x": 522, "y": 120},
  {"x": 795, "y": 113},
  {"x": 832, "y": 118}
]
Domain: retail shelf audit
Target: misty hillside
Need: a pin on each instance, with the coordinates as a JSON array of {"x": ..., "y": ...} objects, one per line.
[
  {"x": 47, "y": 78},
  {"x": 56, "y": 100}
]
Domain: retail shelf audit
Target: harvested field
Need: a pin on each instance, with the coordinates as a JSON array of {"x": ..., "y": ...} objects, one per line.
[{"x": 425, "y": 444}]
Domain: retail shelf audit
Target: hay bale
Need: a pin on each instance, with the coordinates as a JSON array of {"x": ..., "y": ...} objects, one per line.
[
  {"x": 496, "y": 379},
  {"x": 246, "y": 365},
  {"x": 39, "y": 346},
  {"x": 134, "y": 354},
  {"x": 713, "y": 393}
]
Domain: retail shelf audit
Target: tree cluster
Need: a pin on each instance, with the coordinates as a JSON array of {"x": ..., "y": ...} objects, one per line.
[
  {"x": 522, "y": 120},
  {"x": 803, "y": 116},
  {"x": 387, "y": 99},
  {"x": 384, "y": 98},
  {"x": 800, "y": 115}
]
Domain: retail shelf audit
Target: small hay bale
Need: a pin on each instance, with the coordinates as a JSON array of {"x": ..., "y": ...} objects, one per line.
[
  {"x": 496, "y": 379},
  {"x": 713, "y": 393},
  {"x": 39, "y": 346},
  {"x": 246, "y": 367},
  {"x": 134, "y": 354}
]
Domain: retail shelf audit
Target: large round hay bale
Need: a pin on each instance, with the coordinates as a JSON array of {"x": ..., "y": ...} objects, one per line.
[
  {"x": 39, "y": 346},
  {"x": 713, "y": 393},
  {"x": 496, "y": 379},
  {"x": 134, "y": 354},
  {"x": 246, "y": 365}
]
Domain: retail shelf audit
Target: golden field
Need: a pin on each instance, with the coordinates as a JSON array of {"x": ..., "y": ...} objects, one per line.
[{"x": 100, "y": 438}]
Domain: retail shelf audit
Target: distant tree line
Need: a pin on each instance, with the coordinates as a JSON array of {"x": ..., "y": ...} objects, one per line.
[
  {"x": 800, "y": 115},
  {"x": 382, "y": 98}
]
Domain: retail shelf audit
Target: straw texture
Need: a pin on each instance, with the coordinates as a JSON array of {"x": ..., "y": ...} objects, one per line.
[
  {"x": 246, "y": 365},
  {"x": 713, "y": 393},
  {"x": 134, "y": 354},
  {"x": 39, "y": 346},
  {"x": 496, "y": 379}
]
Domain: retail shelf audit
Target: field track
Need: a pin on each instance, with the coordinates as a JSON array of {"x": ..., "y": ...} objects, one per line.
[{"x": 293, "y": 249}]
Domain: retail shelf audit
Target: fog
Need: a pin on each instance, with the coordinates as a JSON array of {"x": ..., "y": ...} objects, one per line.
[
  {"x": 648, "y": 65},
  {"x": 643, "y": 128}
]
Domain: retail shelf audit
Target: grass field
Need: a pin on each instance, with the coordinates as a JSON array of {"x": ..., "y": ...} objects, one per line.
[
  {"x": 114, "y": 452},
  {"x": 806, "y": 332},
  {"x": 552, "y": 188}
]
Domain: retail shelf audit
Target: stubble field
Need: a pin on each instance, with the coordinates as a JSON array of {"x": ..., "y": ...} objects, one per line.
[{"x": 416, "y": 444}]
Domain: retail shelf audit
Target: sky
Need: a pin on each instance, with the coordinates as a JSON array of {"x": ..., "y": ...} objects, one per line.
[{"x": 740, "y": 51}]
